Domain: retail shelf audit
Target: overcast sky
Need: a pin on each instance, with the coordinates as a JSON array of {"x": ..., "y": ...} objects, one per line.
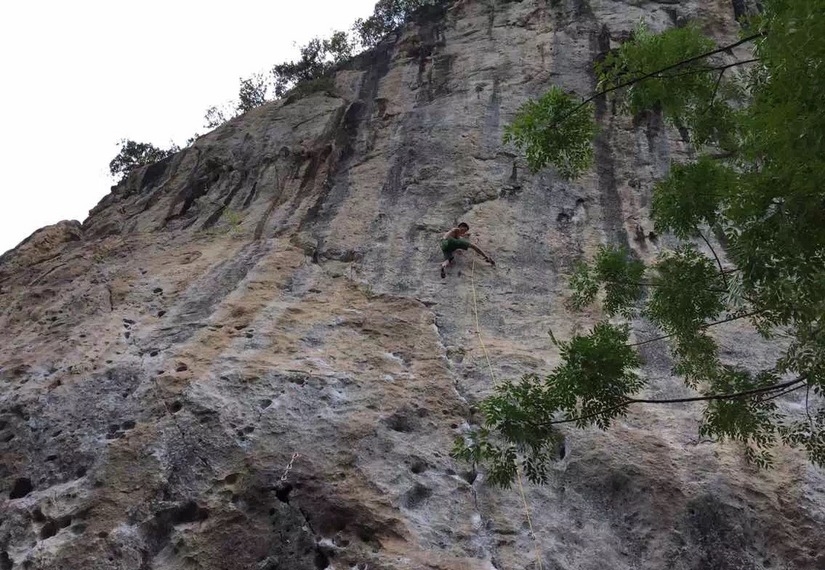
[{"x": 79, "y": 75}]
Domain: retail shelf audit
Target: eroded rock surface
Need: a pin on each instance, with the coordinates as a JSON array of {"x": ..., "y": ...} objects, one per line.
[{"x": 273, "y": 290}]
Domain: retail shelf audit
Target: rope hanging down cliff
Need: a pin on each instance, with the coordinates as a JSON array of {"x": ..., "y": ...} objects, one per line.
[{"x": 495, "y": 381}]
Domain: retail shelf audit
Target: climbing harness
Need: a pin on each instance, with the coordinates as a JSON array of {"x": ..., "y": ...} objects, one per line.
[{"x": 495, "y": 381}]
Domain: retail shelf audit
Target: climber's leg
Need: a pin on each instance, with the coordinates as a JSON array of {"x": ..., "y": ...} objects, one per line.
[{"x": 448, "y": 248}]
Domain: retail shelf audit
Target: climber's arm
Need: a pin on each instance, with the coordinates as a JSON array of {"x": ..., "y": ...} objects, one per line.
[{"x": 479, "y": 251}]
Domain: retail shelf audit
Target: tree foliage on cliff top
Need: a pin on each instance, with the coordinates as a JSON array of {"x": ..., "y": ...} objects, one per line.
[
  {"x": 756, "y": 181},
  {"x": 310, "y": 73},
  {"x": 318, "y": 58},
  {"x": 135, "y": 154}
]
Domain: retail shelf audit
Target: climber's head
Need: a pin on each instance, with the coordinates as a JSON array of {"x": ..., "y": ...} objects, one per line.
[{"x": 463, "y": 227}]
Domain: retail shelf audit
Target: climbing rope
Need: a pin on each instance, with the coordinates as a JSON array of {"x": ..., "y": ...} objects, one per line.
[
  {"x": 495, "y": 381},
  {"x": 285, "y": 476}
]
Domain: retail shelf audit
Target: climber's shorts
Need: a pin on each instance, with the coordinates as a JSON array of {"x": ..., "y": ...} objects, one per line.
[{"x": 448, "y": 246}]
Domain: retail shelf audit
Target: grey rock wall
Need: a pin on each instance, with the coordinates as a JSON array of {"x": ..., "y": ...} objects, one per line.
[{"x": 274, "y": 291}]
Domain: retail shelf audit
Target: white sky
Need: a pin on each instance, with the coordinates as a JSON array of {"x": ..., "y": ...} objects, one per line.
[{"x": 79, "y": 75}]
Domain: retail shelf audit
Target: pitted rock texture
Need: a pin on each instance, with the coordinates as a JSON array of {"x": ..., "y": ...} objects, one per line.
[{"x": 274, "y": 290}]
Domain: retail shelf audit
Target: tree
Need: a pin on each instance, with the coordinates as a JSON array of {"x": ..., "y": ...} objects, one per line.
[
  {"x": 318, "y": 58},
  {"x": 215, "y": 116},
  {"x": 756, "y": 180},
  {"x": 386, "y": 17},
  {"x": 134, "y": 154},
  {"x": 252, "y": 93}
]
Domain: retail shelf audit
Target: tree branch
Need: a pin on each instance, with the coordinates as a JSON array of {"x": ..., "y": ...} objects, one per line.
[
  {"x": 807, "y": 411},
  {"x": 715, "y": 90},
  {"x": 718, "y": 261},
  {"x": 649, "y": 284},
  {"x": 630, "y": 82},
  {"x": 712, "y": 397},
  {"x": 721, "y": 155},
  {"x": 703, "y": 327},
  {"x": 721, "y": 68},
  {"x": 730, "y": 396},
  {"x": 784, "y": 392}
]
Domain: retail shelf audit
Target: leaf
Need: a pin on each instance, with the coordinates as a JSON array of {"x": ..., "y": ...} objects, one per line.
[{"x": 554, "y": 130}]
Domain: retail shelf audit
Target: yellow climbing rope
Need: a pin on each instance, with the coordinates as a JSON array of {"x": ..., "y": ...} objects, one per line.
[{"x": 495, "y": 381}]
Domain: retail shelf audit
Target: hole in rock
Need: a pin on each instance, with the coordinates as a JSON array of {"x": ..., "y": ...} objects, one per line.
[
  {"x": 128, "y": 424},
  {"x": 365, "y": 534},
  {"x": 79, "y": 528},
  {"x": 175, "y": 407},
  {"x": 418, "y": 467},
  {"x": 37, "y": 515},
  {"x": 8, "y": 437},
  {"x": 81, "y": 472},
  {"x": 51, "y": 457},
  {"x": 282, "y": 491},
  {"x": 400, "y": 422},
  {"x": 321, "y": 559},
  {"x": 102, "y": 534},
  {"x": 265, "y": 403},
  {"x": 415, "y": 496},
  {"x": 21, "y": 488},
  {"x": 161, "y": 313},
  {"x": 189, "y": 512},
  {"x": 5, "y": 561},
  {"x": 740, "y": 8},
  {"x": 470, "y": 476},
  {"x": 49, "y": 530}
]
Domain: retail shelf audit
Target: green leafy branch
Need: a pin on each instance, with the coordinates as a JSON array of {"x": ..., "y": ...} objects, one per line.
[{"x": 757, "y": 183}]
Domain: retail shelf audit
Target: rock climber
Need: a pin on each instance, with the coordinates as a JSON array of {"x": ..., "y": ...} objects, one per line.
[{"x": 453, "y": 240}]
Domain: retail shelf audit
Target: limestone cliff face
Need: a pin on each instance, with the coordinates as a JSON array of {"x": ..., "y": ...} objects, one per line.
[{"x": 273, "y": 290}]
